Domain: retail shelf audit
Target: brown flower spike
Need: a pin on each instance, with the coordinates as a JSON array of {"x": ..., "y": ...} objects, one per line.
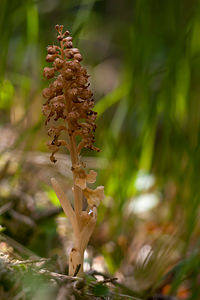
[{"x": 69, "y": 98}]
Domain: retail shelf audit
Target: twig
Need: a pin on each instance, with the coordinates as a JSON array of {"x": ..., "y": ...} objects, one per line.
[
  {"x": 22, "y": 218},
  {"x": 4, "y": 169},
  {"x": 125, "y": 296},
  {"x": 23, "y": 250},
  {"x": 30, "y": 261},
  {"x": 59, "y": 276},
  {"x": 6, "y": 207},
  {"x": 51, "y": 212},
  {"x": 120, "y": 285},
  {"x": 108, "y": 280}
]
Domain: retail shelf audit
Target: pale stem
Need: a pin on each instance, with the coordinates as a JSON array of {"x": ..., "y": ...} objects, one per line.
[
  {"x": 66, "y": 206},
  {"x": 77, "y": 190}
]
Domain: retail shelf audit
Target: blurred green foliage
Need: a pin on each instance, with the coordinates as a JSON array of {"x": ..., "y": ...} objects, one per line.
[{"x": 144, "y": 61}]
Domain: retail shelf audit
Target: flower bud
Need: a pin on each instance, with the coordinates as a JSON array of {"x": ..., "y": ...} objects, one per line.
[
  {"x": 58, "y": 104},
  {"x": 58, "y": 63},
  {"x": 51, "y": 49},
  {"x": 84, "y": 72},
  {"x": 46, "y": 109},
  {"x": 50, "y": 58},
  {"x": 68, "y": 74},
  {"x": 59, "y": 28},
  {"x": 66, "y": 33},
  {"x": 59, "y": 98},
  {"x": 48, "y": 72},
  {"x": 86, "y": 94},
  {"x": 51, "y": 132},
  {"x": 73, "y": 92},
  {"x": 57, "y": 85},
  {"x": 60, "y": 79},
  {"x": 67, "y": 39},
  {"x": 47, "y": 93},
  {"x": 78, "y": 56},
  {"x": 59, "y": 37},
  {"x": 69, "y": 45},
  {"x": 73, "y": 115},
  {"x": 69, "y": 54},
  {"x": 74, "y": 65},
  {"x": 82, "y": 80},
  {"x": 75, "y": 50}
]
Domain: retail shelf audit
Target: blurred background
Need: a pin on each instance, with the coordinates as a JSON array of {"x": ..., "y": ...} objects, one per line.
[{"x": 144, "y": 61}]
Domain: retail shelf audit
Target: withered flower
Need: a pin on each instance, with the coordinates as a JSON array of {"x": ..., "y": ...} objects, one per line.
[
  {"x": 94, "y": 197},
  {"x": 69, "y": 99}
]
